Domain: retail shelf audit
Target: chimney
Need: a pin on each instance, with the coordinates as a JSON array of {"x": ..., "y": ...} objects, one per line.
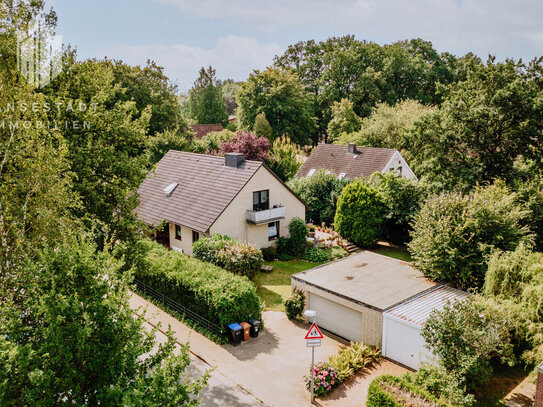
[
  {"x": 352, "y": 148},
  {"x": 233, "y": 160},
  {"x": 539, "y": 388}
]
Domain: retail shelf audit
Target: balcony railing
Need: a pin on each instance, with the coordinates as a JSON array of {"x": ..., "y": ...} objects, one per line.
[{"x": 266, "y": 215}]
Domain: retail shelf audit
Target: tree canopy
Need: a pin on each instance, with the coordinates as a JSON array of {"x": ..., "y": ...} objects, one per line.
[{"x": 207, "y": 104}]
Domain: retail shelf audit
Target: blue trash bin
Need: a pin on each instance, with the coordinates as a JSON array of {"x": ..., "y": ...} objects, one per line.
[{"x": 236, "y": 333}]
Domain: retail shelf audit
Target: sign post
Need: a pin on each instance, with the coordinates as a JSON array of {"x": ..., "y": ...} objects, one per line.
[{"x": 313, "y": 338}]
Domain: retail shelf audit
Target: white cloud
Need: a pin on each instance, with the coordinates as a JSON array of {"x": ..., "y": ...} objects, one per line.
[
  {"x": 503, "y": 27},
  {"x": 233, "y": 57}
]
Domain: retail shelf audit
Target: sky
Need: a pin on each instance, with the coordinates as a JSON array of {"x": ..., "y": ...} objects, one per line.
[{"x": 238, "y": 36}]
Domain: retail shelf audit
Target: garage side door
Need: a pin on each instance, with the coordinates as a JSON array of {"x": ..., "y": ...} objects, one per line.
[
  {"x": 403, "y": 343},
  {"x": 336, "y": 318}
]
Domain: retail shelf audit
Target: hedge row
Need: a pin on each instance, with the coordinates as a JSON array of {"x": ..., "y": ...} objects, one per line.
[
  {"x": 381, "y": 394},
  {"x": 215, "y": 294}
]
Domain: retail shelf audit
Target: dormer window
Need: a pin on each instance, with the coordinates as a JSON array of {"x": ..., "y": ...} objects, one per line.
[{"x": 311, "y": 172}]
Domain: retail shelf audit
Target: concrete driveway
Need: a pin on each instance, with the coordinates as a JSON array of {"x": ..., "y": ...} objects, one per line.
[{"x": 268, "y": 368}]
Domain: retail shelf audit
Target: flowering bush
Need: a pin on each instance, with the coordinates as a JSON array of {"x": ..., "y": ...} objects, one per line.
[
  {"x": 324, "y": 376},
  {"x": 252, "y": 146}
]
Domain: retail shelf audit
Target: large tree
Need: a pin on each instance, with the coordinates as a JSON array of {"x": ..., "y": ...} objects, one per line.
[
  {"x": 344, "y": 120},
  {"x": 485, "y": 123},
  {"x": 207, "y": 104},
  {"x": 106, "y": 137},
  {"x": 281, "y": 96}
]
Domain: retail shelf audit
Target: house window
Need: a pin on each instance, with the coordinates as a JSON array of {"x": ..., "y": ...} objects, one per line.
[
  {"x": 261, "y": 200},
  {"x": 400, "y": 169},
  {"x": 273, "y": 230},
  {"x": 195, "y": 236},
  {"x": 178, "y": 232}
]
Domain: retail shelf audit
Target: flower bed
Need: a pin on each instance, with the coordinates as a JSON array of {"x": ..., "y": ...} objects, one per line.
[{"x": 324, "y": 376}]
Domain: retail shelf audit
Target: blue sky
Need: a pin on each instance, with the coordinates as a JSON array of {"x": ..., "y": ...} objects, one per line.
[{"x": 237, "y": 36}]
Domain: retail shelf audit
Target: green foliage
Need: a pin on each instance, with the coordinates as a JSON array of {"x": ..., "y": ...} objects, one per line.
[
  {"x": 161, "y": 143},
  {"x": 269, "y": 253},
  {"x": 344, "y": 120},
  {"x": 320, "y": 192},
  {"x": 297, "y": 229},
  {"x": 75, "y": 321},
  {"x": 388, "y": 126},
  {"x": 215, "y": 294},
  {"x": 465, "y": 336},
  {"x": 352, "y": 358},
  {"x": 106, "y": 148},
  {"x": 262, "y": 127},
  {"x": 442, "y": 384},
  {"x": 453, "y": 233},
  {"x": 530, "y": 194},
  {"x": 403, "y": 198},
  {"x": 286, "y": 104},
  {"x": 316, "y": 255},
  {"x": 237, "y": 257},
  {"x": 514, "y": 282},
  {"x": 392, "y": 391},
  {"x": 485, "y": 123},
  {"x": 360, "y": 214},
  {"x": 283, "y": 159},
  {"x": 207, "y": 105},
  {"x": 211, "y": 142},
  {"x": 294, "y": 305}
]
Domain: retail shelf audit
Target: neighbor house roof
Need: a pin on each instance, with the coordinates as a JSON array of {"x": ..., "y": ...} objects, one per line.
[
  {"x": 363, "y": 163},
  {"x": 418, "y": 309},
  {"x": 200, "y": 130},
  {"x": 368, "y": 279},
  {"x": 205, "y": 188}
]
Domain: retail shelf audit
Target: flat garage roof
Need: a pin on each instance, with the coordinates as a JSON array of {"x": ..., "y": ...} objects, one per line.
[{"x": 368, "y": 279}]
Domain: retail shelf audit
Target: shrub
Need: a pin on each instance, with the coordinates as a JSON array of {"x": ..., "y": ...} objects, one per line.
[
  {"x": 465, "y": 336},
  {"x": 215, "y": 294},
  {"x": 360, "y": 214},
  {"x": 250, "y": 145},
  {"x": 392, "y": 391},
  {"x": 284, "y": 246},
  {"x": 514, "y": 282},
  {"x": 234, "y": 256},
  {"x": 324, "y": 377},
  {"x": 320, "y": 192},
  {"x": 403, "y": 198},
  {"x": 441, "y": 384},
  {"x": 240, "y": 258},
  {"x": 452, "y": 233},
  {"x": 352, "y": 358},
  {"x": 269, "y": 253},
  {"x": 294, "y": 305},
  {"x": 297, "y": 229},
  {"x": 284, "y": 257},
  {"x": 284, "y": 158},
  {"x": 316, "y": 255}
]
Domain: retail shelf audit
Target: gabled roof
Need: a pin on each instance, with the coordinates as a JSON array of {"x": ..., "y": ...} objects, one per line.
[
  {"x": 364, "y": 163},
  {"x": 200, "y": 130},
  {"x": 205, "y": 188}
]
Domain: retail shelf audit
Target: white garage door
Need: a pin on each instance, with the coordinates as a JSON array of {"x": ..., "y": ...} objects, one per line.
[
  {"x": 336, "y": 318},
  {"x": 403, "y": 343}
]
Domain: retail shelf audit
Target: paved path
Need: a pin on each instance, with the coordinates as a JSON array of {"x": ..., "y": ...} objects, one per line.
[{"x": 268, "y": 368}]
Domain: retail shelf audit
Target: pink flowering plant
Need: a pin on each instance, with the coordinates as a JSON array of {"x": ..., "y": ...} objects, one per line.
[{"x": 325, "y": 377}]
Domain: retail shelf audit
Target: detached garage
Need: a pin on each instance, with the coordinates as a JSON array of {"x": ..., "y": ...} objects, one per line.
[
  {"x": 402, "y": 325},
  {"x": 350, "y": 295}
]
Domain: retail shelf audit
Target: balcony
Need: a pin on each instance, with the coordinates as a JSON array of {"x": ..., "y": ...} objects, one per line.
[{"x": 266, "y": 215}]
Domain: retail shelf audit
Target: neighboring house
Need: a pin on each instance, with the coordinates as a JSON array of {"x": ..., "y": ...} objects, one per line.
[
  {"x": 200, "y": 130},
  {"x": 354, "y": 162},
  {"x": 201, "y": 195},
  {"x": 378, "y": 300}
]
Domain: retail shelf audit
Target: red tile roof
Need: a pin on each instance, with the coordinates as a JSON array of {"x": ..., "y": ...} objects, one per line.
[
  {"x": 363, "y": 163},
  {"x": 200, "y": 130}
]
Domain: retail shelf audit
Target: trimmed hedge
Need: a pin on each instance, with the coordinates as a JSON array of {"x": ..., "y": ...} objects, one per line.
[
  {"x": 215, "y": 294},
  {"x": 380, "y": 394}
]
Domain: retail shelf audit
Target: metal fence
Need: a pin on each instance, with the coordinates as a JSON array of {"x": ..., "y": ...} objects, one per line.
[{"x": 175, "y": 306}]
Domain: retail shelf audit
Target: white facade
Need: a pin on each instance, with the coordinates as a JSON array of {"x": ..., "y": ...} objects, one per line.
[{"x": 399, "y": 166}]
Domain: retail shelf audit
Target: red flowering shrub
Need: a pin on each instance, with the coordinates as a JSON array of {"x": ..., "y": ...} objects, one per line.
[{"x": 249, "y": 144}]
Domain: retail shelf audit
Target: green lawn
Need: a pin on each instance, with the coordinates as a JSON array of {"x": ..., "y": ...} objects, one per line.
[
  {"x": 274, "y": 287},
  {"x": 397, "y": 252}
]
